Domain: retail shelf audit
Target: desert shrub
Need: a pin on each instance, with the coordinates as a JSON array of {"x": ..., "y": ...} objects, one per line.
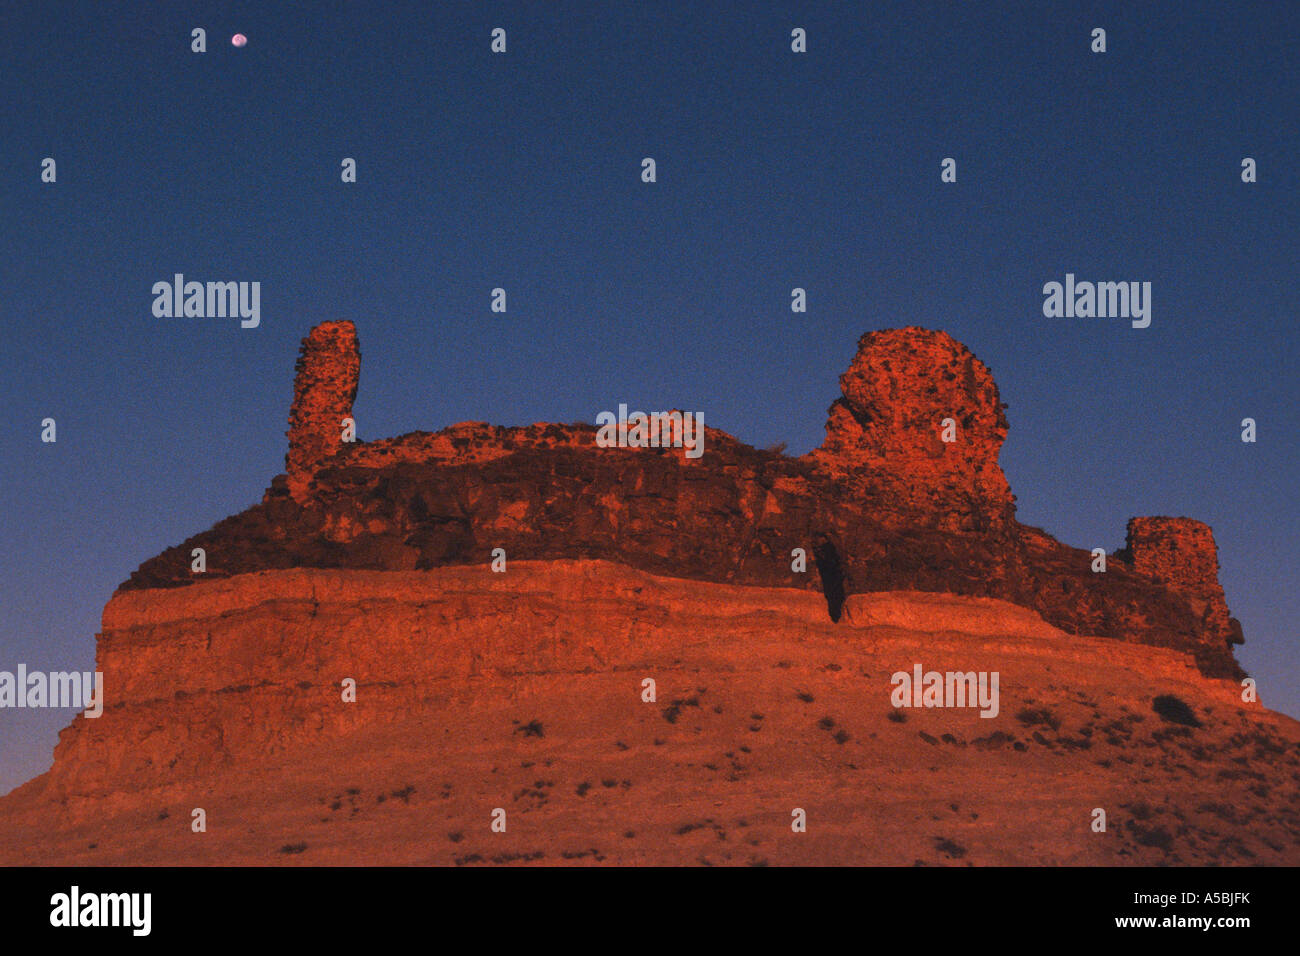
[{"x": 1174, "y": 710}]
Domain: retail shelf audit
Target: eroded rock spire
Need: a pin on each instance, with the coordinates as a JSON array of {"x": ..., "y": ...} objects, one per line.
[{"x": 324, "y": 387}]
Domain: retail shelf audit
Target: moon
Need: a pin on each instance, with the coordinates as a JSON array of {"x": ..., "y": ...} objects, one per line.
[{"x": 238, "y": 39}]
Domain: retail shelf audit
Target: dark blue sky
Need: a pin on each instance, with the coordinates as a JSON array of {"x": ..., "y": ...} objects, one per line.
[{"x": 523, "y": 171}]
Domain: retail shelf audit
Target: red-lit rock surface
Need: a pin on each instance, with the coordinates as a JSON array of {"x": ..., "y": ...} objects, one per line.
[
  {"x": 522, "y": 690},
  {"x": 884, "y": 504},
  {"x": 329, "y": 366},
  {"x": 886, "y": 432},
  {"x": 1180, "y": 553}
]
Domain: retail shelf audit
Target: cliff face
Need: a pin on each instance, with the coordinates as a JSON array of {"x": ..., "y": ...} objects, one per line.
[{"x": 904, "y": 494}]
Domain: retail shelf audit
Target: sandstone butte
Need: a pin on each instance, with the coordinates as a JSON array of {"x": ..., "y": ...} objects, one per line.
[{"x": 522, "y": 690}]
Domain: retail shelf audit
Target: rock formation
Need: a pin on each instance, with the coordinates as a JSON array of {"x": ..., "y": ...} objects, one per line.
[
  {"x": 1181, "y": 554},
  {"x": 887, "y": 430},
  {"x": 324, "y": 388},
  {"x": 370, "y": 562},
  {"x": 884, "y": 504}
]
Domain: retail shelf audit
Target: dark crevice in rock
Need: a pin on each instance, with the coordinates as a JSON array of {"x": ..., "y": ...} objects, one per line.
[{"x": 832, "y": 575}]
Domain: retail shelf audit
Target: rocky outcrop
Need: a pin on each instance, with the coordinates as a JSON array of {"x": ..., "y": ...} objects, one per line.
[
  {"x": 886, "y": 503},
  {"x": 329, "y": 366},
  {"x": 1181, "y": 554},
  {"x": 920, "y": 425}
]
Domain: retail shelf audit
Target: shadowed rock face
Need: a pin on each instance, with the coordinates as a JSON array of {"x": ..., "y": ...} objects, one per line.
[{"x": 884, "y": 504}]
